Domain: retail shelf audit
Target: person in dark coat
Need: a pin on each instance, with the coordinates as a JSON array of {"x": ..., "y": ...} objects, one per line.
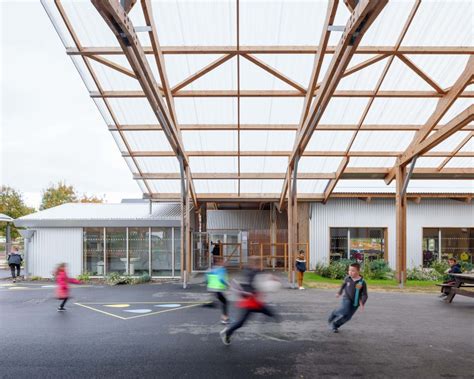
[
  {"x": 454, "y": 268},
  {"x": 216, "y": 251},
  {"x": 354, "y": 291},
  {"x": 14, "y": 261},
  {"x": 300, "y": 266}
]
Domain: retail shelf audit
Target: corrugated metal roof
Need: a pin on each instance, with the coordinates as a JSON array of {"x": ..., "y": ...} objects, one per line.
[{"x": 122, "y": 211}]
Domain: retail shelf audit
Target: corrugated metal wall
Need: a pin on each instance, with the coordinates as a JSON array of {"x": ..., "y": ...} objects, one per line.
[
  {"x": 51, "y": 246},
  {"x": 381, "y": 213},
  {"x": 238, "y": 220}
]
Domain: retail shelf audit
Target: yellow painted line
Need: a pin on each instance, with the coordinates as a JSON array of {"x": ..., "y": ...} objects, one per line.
[
  {"x": 166, "y": 310},
  {"x": 7, "y": 285},
  {"x": 98, "y": 310},
  {"x": 22, "y": 288},
  {"x": 117, "y": 305}
]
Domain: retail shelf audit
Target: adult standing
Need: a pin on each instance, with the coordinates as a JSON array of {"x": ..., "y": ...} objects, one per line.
[{"x": 14, "y": 261}]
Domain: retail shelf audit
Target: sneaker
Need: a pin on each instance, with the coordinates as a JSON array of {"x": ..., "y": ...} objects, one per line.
[
  {"x": 335, "y": 330},
  {"x": 61, "y": 309},
  {"x": 224, "y": 337},
  {"x": 333, "y": 327},
  {"x": 225, "y": 321},
  {"x": 443, "y": 295},
  {"x": 14, "y": 281},
  {"x": 301, "y": 288}
]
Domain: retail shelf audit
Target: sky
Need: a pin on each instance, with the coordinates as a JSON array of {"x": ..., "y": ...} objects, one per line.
[{"x": 50, "y": 129}]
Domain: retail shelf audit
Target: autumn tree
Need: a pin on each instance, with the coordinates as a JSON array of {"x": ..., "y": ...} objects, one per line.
[
  {"x": 90, "y": 199},
  {"x": 58, "y": 194},
  {"x": 12, "y": 204}
]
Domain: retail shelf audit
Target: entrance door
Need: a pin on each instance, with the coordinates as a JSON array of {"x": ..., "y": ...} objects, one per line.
[{"x": 201, "y": 256}]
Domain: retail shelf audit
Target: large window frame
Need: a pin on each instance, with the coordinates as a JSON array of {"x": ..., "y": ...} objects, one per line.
[
  {"x": 440, "y": 248},
  {"x": 175, "y": 253},
  {"x": 348, "y": 253}
]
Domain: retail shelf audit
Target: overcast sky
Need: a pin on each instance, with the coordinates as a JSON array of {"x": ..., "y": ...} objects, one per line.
[{"x": 50, "y": 129}]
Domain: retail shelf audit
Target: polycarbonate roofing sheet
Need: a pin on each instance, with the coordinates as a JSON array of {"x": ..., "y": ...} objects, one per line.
[
  {"x": 263, "y": 164},
  {"x": 281, "y": 23},
  {"x": 262, "y": 186}
]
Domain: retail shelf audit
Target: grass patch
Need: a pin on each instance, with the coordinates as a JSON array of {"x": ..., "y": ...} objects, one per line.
[{"x": 313, "y": 280}]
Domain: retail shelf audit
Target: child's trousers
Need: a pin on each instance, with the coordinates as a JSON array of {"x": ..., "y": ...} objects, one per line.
[
  {"x": 343, "y": 314},
  {"x": 299, "y": 277}
]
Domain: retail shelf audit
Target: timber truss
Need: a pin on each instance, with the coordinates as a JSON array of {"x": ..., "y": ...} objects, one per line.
[{"x": 147, "y": 65}]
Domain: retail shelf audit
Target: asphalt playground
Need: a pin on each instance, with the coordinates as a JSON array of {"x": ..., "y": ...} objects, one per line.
[{"x": 163, "y": 331}]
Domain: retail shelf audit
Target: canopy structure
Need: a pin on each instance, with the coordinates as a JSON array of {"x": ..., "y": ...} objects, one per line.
[{"x": 241, "y": 96}]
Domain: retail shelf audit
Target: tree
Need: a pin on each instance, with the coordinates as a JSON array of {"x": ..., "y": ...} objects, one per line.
[
  {"x": 57, "y": 195},
  {"x": 12, "y": 204},
  {"x": 90, "y": 199}
]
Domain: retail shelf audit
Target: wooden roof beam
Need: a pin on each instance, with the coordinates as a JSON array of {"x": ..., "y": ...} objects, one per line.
[
  {"x": 456, "y": 151},
  {"x": 123, "y": 29},
  {"x": 363, "y": 16},
  {"x": 421, "y": 74},
  {"x": 173, "y": 50},
  {"x": 443, "y": 106},
  {"x": 332, "y": 184}
]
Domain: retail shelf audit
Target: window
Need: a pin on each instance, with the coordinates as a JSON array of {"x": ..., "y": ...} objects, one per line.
[
  {"x": 93, "y": 242},
  {"x": 161, "y": 252},
  {"x": 116, "y": 250},
  {"x": 357, "y": 244},
  {"x": 138, "y": 246},
  {"x": 444, "y": 243}
]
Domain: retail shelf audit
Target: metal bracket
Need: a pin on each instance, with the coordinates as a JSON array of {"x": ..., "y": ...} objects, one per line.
[
  {"x": 141, "y": 29},
  {"x": 407, "y": 178},
  {"x": 336, "y": 28}
]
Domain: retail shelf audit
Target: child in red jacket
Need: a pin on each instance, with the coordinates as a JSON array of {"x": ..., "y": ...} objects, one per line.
[{"x": 62, "y": 285}]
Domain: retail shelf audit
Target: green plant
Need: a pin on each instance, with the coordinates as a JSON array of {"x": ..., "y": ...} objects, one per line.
[
  {"x": 322, "y": 269},
  {"x": 34, "y": 278},
  {"x": 420, "y": 273},
  {"x": 84, "y": 277},
  {"x": 338, "y": 269},
  {"x": 378, "y": 269},
  {"x": 440, "y": 266},
  {"x": 142, "y": 279},
  {"x": 466, "y": 266}
]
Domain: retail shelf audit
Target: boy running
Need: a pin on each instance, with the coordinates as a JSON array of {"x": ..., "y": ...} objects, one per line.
[{"x": 354, "y": 290}]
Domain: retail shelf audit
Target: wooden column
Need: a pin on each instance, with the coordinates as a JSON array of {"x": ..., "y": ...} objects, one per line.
[
  {"x": 401, "y": 223},
  {"x": 273, "y": 231},
  {"x": 290, "y": 225}
]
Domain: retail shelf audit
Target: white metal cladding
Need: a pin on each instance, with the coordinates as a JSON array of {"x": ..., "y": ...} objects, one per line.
[
  {"x": 440, "y": 213},
  {"x": 50, "y": 246},
  {"x": 238, "y": 220},
  {"x": 342, "y": 213}
]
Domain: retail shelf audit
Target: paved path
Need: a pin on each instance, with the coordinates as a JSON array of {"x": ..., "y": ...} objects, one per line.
[{"x": 162, "y": 331}]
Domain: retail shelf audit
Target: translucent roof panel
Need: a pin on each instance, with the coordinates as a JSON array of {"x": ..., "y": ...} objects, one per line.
[
  {"x": 441, "y": 23},
  {"x": 158, "y": 164},
  {"x": 382, "y": 141},
  {"x": 387, "y": 28},
  {"x": 459, "y": 106},
  {"x": 113, "y": 80},
  {"x": 132, "y": 111},
  {"x": 104, "y": 112},
  {"x": 216, "y": 186},
  {"x": 429, "y": 162},
  {"x": 119, "y": 141},
  {"x": 213, "y": 164},
  {"x": 253, "y": 77},
  {"x": 365, "y": 186},
  {"x": 365, "y": 79},
  {"x": 463, "y": 162},
  {"x": 443, "y": 69},
  {"x": 206, "y": 140},
  {"x": 181, "y": 67},
  {"x": 84, "y": 73},
  {"x": 88, "y": 24},
  {"x": 312, "y": 186},
  {"x": 267, "y": 141},
  {"x": 195, "y": 23},
  {"x": 273, "y": 22},
  {"x": 323, "y": 140},
  {"x": 401, "y": 77},
  {"x": 387, "y": 111},
  {"x": 270, "y": 110},
  {"x": 452, "y": 142},
  {"x": 131, "y": 165},
  {"x": 318, "y": 164},
  {"x": 446, "y": 186},
  {"x": 263, "y": 164},
  {"x": 295, "y": 66},
  {"x": 147, "y": 141},
  {"x": 216, "y": 110},
  {"x": 469, "y": 146},
  {"x": 372, "y": 162},
  {"x": 344, "y": 110},
  {"x": 261, "y": 186},
  {"x": 165, "y": 186}
]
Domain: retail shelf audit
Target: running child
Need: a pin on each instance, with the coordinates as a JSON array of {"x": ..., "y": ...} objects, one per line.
[{"x": 62, "y": 285}]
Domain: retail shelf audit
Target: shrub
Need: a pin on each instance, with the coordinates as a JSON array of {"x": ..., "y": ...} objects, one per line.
[
  {"x": 114, "y": 278},
  {"x": 34, "y": 278},
  {"x": 440, "y": 266},
  {"x": 338, "y": 269},
  {"x": 420, "y": 273},
  {"x": 145, "y": 278},
  {"x": 322, "y": 269},
  {"x": 84, "y": 277},
  {"x": 466, "y": 266},
  {"x": 378, "y": 269}
]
